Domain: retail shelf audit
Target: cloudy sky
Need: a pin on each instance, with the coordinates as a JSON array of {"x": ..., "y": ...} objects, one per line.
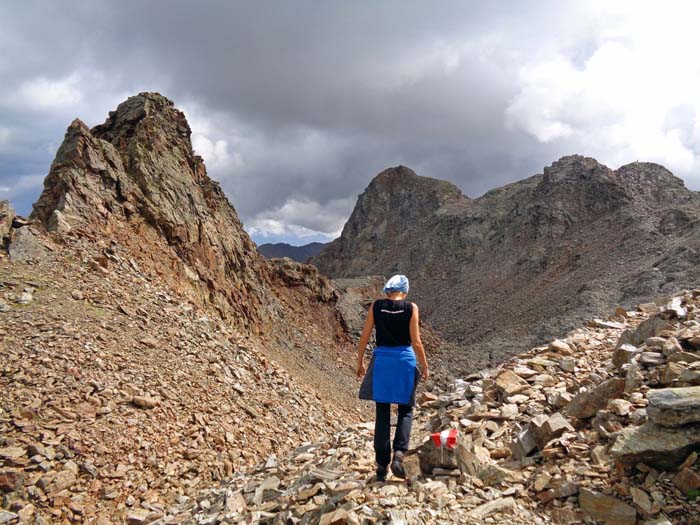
[{"x": 296, "y": 105}]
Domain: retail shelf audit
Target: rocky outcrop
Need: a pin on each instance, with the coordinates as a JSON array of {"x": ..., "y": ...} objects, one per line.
[
  {"x": 546, "y": 252},
  {"x": 136, "y": 179}
]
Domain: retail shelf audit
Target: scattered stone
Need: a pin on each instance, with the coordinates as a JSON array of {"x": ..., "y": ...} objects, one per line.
[
  {"x": 621, "y": 407},
  {"x": 546, "y": 428},
  {"x": 560, "y": 346},
  {"x": 624, "y": 354}
]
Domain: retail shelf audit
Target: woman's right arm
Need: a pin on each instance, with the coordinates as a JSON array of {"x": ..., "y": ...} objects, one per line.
[
  {"x": 364, "y": 339},
  {"x": 414, "y": 329}
]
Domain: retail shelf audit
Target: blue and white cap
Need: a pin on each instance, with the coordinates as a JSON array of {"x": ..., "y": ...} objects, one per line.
[{"x": 398, "y": 283}]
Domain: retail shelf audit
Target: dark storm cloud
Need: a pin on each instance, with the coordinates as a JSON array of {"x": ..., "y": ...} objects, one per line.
[{"x": 296, "y": 105}]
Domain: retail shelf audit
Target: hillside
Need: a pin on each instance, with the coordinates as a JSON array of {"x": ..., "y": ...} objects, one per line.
[
  {"x": 148, "y": 349},
  {"x": 600, "y": 426},
  {"x": 296, "y": 253},
  {"x": 544, "y": 253}
]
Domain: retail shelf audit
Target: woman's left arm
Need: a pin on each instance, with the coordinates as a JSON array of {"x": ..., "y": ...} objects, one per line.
[
  {"x": 364, "y": 339},
  {"x": 414, "y": 329}
]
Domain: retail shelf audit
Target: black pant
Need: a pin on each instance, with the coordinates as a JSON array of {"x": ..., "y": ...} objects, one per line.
[{"x": 382, "y": 432}]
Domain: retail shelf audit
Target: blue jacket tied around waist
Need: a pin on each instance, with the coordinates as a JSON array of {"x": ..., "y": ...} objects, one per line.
[{"x": 392, "y": 376}]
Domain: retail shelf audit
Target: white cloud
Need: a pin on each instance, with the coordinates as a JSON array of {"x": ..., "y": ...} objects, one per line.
[
  {"x": 623, "y": 102},
  {"x": 41, "y": 93},
  {"x": 302, "y": 218},
  {"x": 272, "y": 229}
]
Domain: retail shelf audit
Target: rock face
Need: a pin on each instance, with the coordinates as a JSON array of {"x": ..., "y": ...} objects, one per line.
[
  {"x": 545, "y": 253},
  {"x": 136, "y": 178},
  {"x": 296, "y": 253}
]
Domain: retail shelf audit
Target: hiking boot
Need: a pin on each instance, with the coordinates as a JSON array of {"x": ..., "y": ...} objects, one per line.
[
  {"x": 382, "y": 472},
  {"x": 397, "y": 465}
]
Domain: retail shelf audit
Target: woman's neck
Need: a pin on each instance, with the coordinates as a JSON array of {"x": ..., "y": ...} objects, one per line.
[{"x": 398, "y": 296}]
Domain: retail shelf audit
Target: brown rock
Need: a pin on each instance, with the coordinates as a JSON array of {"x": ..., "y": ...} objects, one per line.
[
  {"x": 144, "y": 402},
  {"x": 687, "y": 480},
  {"x": 7, "y": 214},
  {"x": 586, "y": 404},
  {"x": 486, "y": 509},
  {"x": 624, "y": 355},
  {"x": 546, "y": 428},
  {"x": 607, "y": 509},
  {"x": 11, "y": 479},
  {"x": 523, "y": 444},
  {"x": 510, "y": 384}
]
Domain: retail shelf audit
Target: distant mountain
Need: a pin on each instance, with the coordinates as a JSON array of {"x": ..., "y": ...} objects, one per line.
[
  {"x": 527, "y": 261},
  {"x": 296, "y": 253}
]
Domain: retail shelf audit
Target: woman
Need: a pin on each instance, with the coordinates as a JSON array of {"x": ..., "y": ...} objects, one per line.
[{"x": 392, "y": 376}]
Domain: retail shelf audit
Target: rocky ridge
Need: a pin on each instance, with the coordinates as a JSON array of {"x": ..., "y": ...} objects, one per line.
[
  {"x": 148, "y": 349},
  {"x": 136, "y": 181},
  {"x": 547, "y": 252}
]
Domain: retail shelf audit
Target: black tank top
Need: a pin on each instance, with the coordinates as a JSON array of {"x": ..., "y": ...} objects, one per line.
[{"x": 392, "y": 319}]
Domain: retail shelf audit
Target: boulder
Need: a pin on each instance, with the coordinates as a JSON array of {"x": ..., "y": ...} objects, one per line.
[
  {"x": 431, "y": 456},
  {"x": 585, "y": 404},
  {"x": 657, "y": 446},
  {"x": 687, "y": 357},
  {"x": 624, "y": 355},
  {"x": 26, "y": 246},
  {"x": 523, "y": 444},
  {"x": 674, "y": 406},
  {"x": 475, "y": 461},
  {"x": 546, "y": 428},
  {"x": 671, "y": 373},
  {"x": 509, "y": 383},
  {"x": 607, "y": 509}
]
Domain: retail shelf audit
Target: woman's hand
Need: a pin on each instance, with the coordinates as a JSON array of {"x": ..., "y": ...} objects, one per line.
[
  {"x": 360, "y": 369},
  {"x": 424, "y": 373}
]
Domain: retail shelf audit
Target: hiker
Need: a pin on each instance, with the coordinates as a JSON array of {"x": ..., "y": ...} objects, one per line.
[{"x": 392, "y": 376}]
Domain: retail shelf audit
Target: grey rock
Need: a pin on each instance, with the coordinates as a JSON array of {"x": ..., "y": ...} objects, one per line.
[
  {"x": 624, "y": 354},
  {"x": 26, "y": 246},
  {"x": 674, "y": 406},
  {"x": 657, "y": 446}
]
